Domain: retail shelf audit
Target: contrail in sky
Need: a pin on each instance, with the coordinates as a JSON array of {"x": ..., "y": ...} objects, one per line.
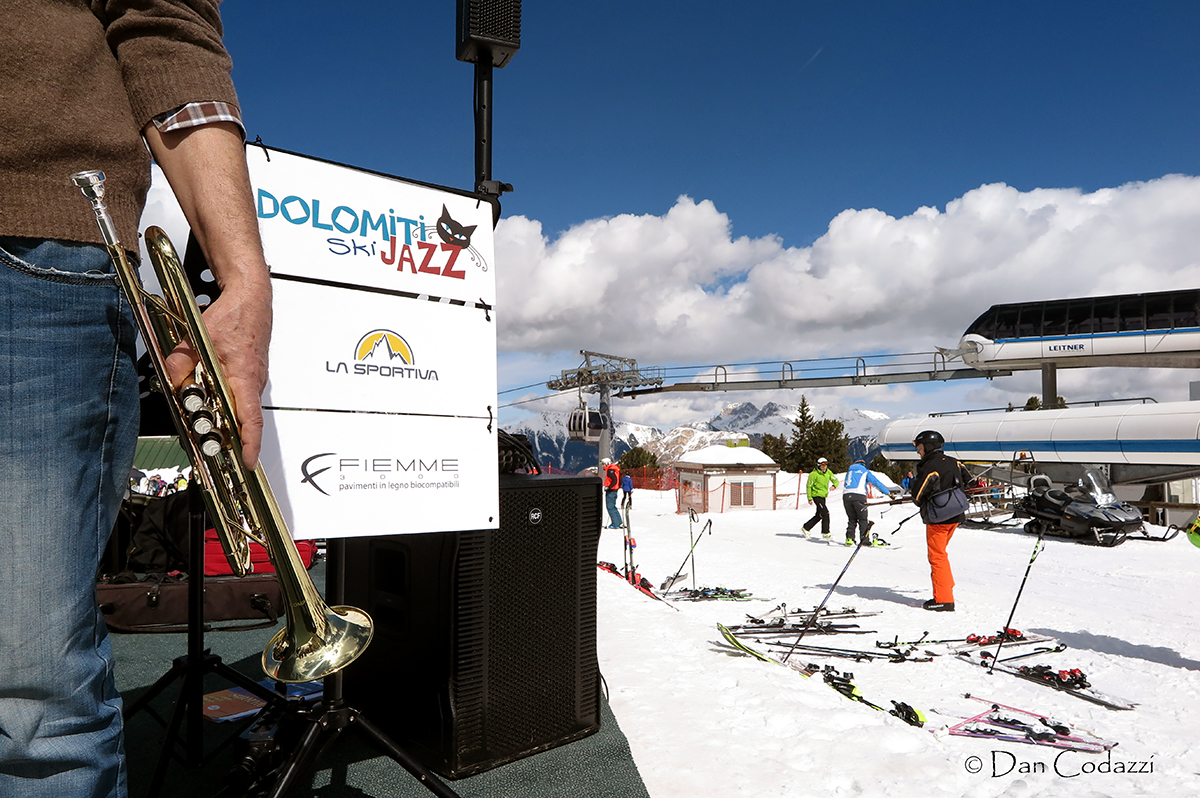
[{"x": 814, "y": 58}]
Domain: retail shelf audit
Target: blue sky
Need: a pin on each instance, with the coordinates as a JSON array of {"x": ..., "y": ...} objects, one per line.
[{"x": 773, "y": 119}]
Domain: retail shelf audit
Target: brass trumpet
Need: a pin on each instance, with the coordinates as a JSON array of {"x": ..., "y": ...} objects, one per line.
[{"x": 317, "y": 639}]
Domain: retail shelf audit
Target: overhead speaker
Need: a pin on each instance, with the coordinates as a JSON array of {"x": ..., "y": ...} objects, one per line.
[
  {"x": 485, "y": 641},
  {"x": 489, "y": 27}
]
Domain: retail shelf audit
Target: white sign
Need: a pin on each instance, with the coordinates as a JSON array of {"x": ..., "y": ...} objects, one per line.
[
  {"x": 333, "y": 223},
  {"x": 352, "y": 474},
  {"x": 381, "y": 400},
  {"x": 344, "y": 349}
]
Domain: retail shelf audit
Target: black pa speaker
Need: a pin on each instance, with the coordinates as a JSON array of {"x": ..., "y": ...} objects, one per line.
[
  {"x": 489, "y": 26},
  {"x": 485, "y": 641}
]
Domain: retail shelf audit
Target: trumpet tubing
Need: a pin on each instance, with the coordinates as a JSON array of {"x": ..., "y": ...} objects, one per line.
[{"x": 317, "y": 639}]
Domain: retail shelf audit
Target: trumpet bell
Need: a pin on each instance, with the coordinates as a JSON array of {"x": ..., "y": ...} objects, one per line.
[{"x": 293, "y": 656}]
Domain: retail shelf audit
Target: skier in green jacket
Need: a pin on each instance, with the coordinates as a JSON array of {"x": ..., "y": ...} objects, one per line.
[{"x": 820, "y": 482}]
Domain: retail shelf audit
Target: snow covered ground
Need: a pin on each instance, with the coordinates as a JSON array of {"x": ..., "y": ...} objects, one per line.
[{"x": 705, "y": 721}]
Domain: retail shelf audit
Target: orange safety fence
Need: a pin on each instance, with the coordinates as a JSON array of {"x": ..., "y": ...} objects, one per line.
[
  {"x": 648, "y": 478},
  {"x": 789, "y": 491},
  {"x": 644, "y": 478}
]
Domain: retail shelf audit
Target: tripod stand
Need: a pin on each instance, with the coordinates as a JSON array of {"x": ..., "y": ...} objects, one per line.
[
  {"x": 194, "y": 666},
  {"x": 332, "y": 716}
]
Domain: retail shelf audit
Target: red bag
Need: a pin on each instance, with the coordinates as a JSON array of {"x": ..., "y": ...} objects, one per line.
[{"x": 215, "y": 563}]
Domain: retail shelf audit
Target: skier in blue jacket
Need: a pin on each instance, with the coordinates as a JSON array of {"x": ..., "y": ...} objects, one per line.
[{"x": 854, "y": 499}]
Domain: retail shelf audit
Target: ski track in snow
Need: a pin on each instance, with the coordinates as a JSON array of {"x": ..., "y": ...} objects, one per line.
[{"x": 703, "y": 720}]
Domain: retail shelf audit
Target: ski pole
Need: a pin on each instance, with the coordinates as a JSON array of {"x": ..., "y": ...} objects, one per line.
[
  {"x": 905, "y": 521},
  {"x": 706, "y": 528},
  {"x": 1037, "y": 549},
  {"x": 692, "y": 540},
  {"x": 812, "y": 618},
  {"x": 628, "y": 555},
  {"x": 1043, "y": 650}
]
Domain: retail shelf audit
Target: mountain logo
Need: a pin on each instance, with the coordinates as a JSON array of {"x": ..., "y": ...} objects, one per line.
[{"x": 394, "y": 346}]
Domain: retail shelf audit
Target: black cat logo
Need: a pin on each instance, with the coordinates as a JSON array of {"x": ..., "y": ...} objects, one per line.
[{"x": 458, "y": 235}]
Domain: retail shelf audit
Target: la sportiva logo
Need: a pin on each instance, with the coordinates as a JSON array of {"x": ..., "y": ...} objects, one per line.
[
  {"x": 382, "y": 353},
  {"x": 391, "y": 343}
]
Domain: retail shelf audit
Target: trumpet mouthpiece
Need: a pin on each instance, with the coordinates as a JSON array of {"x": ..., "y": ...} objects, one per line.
[{"x": 90, "y": 182}]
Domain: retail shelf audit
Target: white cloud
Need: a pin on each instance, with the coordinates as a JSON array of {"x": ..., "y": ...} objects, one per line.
[{"x": 680, "y": 289}]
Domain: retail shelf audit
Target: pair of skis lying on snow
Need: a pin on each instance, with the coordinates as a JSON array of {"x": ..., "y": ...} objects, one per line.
[
  {"x": 842, "y": 682},
  {"x": 1009, "y": 724},
  {"x": 998, "y": 722}
]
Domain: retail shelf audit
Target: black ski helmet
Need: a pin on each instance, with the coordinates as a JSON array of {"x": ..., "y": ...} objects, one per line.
[{"x": 931, "y": 439}]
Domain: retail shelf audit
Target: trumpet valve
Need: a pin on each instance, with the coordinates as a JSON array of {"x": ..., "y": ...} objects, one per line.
[
  {"x": 202, "y": 422},
  {"x": 192, "y": 397},
  {"x": 211, "y": 443}
]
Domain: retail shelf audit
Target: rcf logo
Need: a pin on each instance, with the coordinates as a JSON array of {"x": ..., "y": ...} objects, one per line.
[
  {"x": 382, "y": 353},
  {"x": 535, "y": 516}
]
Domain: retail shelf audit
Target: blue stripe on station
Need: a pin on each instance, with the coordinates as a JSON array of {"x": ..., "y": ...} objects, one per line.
[{"x": 1149, "y": 446}]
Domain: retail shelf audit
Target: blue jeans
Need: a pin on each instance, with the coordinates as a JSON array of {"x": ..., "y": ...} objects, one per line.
[
  {"x": 68, "y": 427},
  {"x": 614, "y": 515}
]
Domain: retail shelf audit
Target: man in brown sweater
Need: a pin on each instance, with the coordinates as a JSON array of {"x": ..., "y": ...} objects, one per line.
[{"x": 88, "y": 85}]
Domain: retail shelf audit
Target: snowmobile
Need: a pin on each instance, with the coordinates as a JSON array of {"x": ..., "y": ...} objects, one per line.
[{"x": 1087, "y": 511}]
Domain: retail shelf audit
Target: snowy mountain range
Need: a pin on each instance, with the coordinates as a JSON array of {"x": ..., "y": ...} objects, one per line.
[{"x": 547, "y": 433}]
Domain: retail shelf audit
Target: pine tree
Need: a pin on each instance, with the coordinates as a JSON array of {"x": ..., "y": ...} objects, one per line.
[
  {"x": 795, "y": 458},
  {"x": 637, "y": 457},
  {"x": 775, "y": 448},
  {"x": 827, "y": 438},
  {"x": 1034, "y": 403}
]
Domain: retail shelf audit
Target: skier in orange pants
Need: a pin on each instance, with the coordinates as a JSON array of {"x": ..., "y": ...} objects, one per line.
[
  {"x": 937, "y": 536},
  {"x": 937, "y": 488}
]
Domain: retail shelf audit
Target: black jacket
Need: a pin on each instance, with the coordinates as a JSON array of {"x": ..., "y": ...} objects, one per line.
[{"x": 937, "y": 472}]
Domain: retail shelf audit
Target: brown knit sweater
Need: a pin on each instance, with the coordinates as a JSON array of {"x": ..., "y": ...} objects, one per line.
[{"x": 79, "y": 81}]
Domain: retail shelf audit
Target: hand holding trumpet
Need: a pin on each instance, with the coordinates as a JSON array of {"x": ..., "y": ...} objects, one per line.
[
  {"x": 206, "y": 169},
  {"x": 239, "y": 324}
]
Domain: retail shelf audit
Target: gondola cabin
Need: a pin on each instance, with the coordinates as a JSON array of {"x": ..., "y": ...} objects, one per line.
[{"x": 586, "y": 425}]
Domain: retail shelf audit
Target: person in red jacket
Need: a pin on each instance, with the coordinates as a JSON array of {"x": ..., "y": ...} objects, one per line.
[{"x": 612, "y": 482}]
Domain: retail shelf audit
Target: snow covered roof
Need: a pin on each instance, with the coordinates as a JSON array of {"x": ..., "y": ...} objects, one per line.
[{"x": 725, "y": 455}]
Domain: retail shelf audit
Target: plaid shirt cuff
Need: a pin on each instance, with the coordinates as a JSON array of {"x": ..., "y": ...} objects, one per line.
[{"x": 197, "y": 114}]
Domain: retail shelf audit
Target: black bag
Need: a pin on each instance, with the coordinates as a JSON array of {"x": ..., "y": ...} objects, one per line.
[
  {"x": 159, "y": 603},
  {"x": 945, "y": 505}
]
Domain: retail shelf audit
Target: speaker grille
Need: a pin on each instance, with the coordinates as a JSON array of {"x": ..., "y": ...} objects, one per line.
[
  {"x": 491, "y": 27},
  {"x": 499, "y": 21},
  {"x": 468, "y": 683},
  {"x": 485, "y": 647},
  {"x": 525, "y": 677}
]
